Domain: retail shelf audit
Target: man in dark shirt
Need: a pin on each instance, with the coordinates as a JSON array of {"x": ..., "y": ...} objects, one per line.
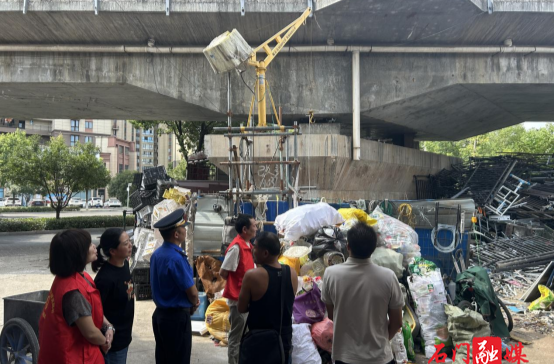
[
  {"x": 174, "y": 293},
  {"x": 260, "y": 294}
]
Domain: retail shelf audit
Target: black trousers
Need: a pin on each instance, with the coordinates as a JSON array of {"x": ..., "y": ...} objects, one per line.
[{"x": 173, "y": 334}]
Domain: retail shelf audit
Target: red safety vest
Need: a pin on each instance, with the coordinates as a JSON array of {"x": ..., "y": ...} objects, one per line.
[
  {"x": 59, "y": 342},
  {"x": 246, "y": 262}
]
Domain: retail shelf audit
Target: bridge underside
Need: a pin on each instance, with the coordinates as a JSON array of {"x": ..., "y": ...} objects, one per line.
[
  {"x": 94, "y": 100},
  {"x": 427, "y": 97}
]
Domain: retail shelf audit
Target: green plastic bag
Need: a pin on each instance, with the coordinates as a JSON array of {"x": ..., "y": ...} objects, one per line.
[
  {"x": 421, "y": 266},
  {"x": 545, "y": 301},
  {"x": 408, "y": 340}
]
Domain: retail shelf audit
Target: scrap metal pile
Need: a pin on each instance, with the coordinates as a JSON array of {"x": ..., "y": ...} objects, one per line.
[
  {"x": 513, "y": 231},
  {"x": 507, "y": 187}
]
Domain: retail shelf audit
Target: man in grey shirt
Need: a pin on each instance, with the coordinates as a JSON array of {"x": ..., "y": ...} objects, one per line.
[{"x": 359, "y": 295}]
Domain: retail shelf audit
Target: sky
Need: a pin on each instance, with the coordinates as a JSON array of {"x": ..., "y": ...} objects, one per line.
[{"x": 535, "y": 124}]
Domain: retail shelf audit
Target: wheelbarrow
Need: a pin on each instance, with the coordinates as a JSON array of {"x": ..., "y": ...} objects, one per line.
[{"x": 19, "y": 337}]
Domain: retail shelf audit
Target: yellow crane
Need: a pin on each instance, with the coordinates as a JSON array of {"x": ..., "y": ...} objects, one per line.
[
  {"x": 225, "y": 56},
  {"x": 281, "y": 38}
]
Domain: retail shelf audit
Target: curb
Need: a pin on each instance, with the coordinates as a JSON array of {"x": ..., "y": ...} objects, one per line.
[{"x": 38, "y": 232}]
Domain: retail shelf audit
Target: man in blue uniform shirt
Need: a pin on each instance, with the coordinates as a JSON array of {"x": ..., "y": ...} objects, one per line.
[{"x": 173, "y": 291}]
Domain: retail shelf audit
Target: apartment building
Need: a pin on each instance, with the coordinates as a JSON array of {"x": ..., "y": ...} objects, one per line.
[
  {"x": 122, "y": 147},
  {"x": 155, "y": 149}
]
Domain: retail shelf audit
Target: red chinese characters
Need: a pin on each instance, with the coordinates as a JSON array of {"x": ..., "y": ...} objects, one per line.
[
  {"x": 515, "y": 354},
  {"x": 487, "y": 350}
]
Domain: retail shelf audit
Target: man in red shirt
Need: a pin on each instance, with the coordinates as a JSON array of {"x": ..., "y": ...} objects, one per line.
[{"x": 238, "y": 260}]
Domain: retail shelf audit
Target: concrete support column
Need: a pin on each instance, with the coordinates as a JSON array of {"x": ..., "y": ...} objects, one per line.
[{"x": 356, "y": 105}]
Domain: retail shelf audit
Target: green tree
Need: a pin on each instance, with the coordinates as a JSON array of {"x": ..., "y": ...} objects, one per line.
[
  {"x": 189, "y": 134},
  {"x": 512, "y": 139},
  {"x": 59, "y": 170},
  {"x": 179, "y": 172},
  {"x": 118, "y": 185}
]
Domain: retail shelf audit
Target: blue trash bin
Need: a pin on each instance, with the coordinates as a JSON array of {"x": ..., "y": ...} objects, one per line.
[{"x": 200, "y": 314}]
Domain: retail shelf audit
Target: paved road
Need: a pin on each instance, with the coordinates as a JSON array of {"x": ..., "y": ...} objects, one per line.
[
  {"x": 28, "y": 254},
  {"x": 83, "y": 212},
  {"x": 24, "y": 268}
]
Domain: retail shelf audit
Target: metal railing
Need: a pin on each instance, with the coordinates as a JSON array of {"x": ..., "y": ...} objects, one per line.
[{"x": 15, "y": 124}]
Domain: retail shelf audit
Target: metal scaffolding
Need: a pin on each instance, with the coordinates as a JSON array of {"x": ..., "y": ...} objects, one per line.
[{"x": 242, "y": 183}]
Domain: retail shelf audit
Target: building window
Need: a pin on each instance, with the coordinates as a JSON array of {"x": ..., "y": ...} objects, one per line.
[
  {"x": 147, "y": 153},
  {"x": 74, "y": 139},
  {"x": 148, "y": 146},
  {"x": 169, "y": 158},
  {"x": 148, "y": 139},
  {"x": 120, "y": 150},
  {"x": 21, "y": 124},
  {"x": 126, "y": 167},
  {"x": 88, "y": 124},
  {"x": 120, "y": 168},
  {"x": 88, "y": 139},
  {"x": 74, "y": 125},
  {"x": 148, "y": 132},
  {"x": 126, "y": 150}
]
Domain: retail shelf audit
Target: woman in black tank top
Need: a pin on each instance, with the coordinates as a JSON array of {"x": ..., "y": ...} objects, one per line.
[{"x": 265, "y": 312}]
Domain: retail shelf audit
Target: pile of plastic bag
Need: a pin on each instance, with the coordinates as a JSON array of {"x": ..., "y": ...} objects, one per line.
[
  {"x": 429, "y": 295},
  {"x": 389, "y": 259},
  {"x": 463, "y": 326},
  {"x": 306, "y": 220},
  {"x": 396, "y": 235},
  {"x": 217, "y": 319},
  {"x": 545, "y": 301},
  {"x": 352, "y": 216},
  {"x": 304, "y": 350}
]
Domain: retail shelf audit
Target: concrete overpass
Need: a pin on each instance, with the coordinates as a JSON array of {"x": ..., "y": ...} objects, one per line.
[{"x": 429, "y": 70}]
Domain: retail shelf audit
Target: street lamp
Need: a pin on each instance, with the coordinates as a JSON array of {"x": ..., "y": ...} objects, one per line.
[{"x": 128, "y": 188}]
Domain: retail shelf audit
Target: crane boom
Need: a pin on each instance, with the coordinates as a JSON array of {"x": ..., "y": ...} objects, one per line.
[{"x": 261, "y": 66}]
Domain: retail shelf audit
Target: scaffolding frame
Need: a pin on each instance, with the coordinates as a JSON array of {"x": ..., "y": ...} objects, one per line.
[{"x": 287, "y": 189}]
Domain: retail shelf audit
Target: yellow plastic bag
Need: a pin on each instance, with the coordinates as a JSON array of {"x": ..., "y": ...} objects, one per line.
[
  {"x": 357, "y": 214},
  {"x": 545, "y": 301},
  {"x": 294, "y": 263},
  {"x": 217, "y": 319}
]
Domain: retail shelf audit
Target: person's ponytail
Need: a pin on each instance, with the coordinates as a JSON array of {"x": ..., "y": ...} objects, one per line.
[
  {"x": 108, "y": 240},
  {"x": 99, "y": 262}
]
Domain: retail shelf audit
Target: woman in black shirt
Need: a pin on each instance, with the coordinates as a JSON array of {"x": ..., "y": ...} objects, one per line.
[{"x": 116, "y": 290}]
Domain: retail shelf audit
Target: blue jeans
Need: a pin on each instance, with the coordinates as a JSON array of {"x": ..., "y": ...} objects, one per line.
[{"x": 117, "y": 357}]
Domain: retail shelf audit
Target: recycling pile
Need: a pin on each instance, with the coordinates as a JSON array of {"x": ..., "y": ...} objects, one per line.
[
  {"x": 313, "y": 239},
  {"x": 155, "y": 198}
]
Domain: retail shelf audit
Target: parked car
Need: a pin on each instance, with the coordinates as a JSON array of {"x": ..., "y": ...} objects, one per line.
[
  {"x": 76, "y": 201},
  {"x": 2, "y": 203},
  {"x": 112, "y": 202},
  {"x": 37, "y": 203},
  {"x": 95, "y": 202},
  {"x": 9, "y": 201}
]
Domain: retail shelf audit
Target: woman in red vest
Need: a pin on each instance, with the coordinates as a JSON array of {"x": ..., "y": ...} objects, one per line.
[{"x": 69, "y": 327}]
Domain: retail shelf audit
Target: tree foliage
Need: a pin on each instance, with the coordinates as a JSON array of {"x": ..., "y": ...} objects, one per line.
[
  {"x": 511, "y": 139},
  {"x": 179, "y": 172},
  {"x": 189, "y": 134},
  {"x": 118, "y": 185},
  {"x": 57, "y": 169}
]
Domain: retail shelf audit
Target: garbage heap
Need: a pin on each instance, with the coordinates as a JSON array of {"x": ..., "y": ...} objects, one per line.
[
  {"x": 155, "y": 198},
  {"x": 313, "y": 238}
]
